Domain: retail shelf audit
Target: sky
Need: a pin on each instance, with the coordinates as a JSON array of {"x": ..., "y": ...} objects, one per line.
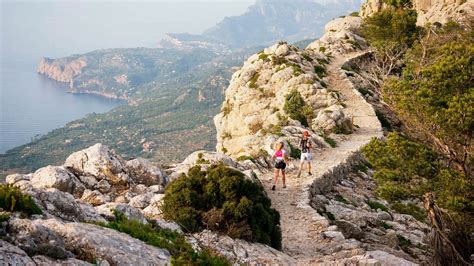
[{"x": 61, "y": 27}]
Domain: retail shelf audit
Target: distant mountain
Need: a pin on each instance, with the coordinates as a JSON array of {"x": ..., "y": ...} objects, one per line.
[{"x": 266, "y": 22}]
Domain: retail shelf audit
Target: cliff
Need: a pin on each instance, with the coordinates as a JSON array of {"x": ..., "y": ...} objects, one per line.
[
  {"x": 61, "y": 70},
  {"x": 431, "y": 11}
]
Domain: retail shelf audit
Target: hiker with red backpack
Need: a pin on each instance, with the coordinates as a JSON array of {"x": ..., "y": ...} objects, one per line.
[{"x": 281, "y": 160}]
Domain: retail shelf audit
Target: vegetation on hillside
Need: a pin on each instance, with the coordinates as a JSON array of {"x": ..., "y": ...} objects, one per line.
[
  {"x": 181, "y": 251},
  {"x": 223, "y": 200},
  {"x": 425, "y": 77},
  {"x": 295, "y": 107},
  {"x": 13, "y": 200},
  {"x": 435, "y": 94}
]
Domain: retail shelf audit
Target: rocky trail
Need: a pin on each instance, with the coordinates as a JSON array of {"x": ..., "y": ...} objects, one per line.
[{"x": 302, "y": 227}]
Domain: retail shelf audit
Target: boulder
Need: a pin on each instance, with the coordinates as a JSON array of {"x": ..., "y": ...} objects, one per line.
[
  {"x": 349, "y": 230},
  {"x": 13, "y": 255},
  {"x": 12, "y": 179},
  {"x": 238, "y": 251},
  {"x": 94, "y": 197},
  {"x": 91, "y": 242},
  {"x": 98, "y": 161},
  {"x": 107, "y": 211},
  {"x": 141, "y": 171},
  {"x": 57, "y": 177}
]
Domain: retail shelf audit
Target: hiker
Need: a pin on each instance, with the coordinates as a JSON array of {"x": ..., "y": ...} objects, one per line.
[
  {"x": 306, "y": 156},
  {"x": 281, "y": 160}
]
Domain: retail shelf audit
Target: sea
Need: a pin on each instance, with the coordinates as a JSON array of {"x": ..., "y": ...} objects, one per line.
[{"x": 32, "y": 105}]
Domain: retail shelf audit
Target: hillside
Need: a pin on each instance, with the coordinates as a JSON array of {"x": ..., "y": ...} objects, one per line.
[{"x": 266, "y": 22}]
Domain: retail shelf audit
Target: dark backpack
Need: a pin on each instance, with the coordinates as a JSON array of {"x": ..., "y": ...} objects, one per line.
[{"x": 304, "y": 145}]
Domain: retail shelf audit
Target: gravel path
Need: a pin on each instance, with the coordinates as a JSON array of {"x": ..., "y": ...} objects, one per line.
[{"x": 302, "y": 227}]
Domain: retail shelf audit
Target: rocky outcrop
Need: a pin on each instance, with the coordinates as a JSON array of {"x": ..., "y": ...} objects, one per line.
[
  {"x": 241, "y": 252},
  {"x": 252, "y": 117},
  {"x": 87, "y": 242},
  {"x": 94, "y": 177},
  {"x": 61, "y": 70},
  {"x": 430, "y": 11},
  {"x": 340, "y": 37}
]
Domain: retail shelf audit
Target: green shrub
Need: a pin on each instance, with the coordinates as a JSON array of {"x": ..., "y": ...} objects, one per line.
[
  {"x": 181, "y": 251},
  {"x": 374, "y": 205},
  {"x": 405, "y": 169},
  {"x": 279, "y": 60},
  {"x": 264, "y": 57},
  {"x": 322, "y": 49},
  {"x": 410, "y": 209},
  {"x": 4, "y": 217},
  {"x": 221, "y": 199},
  {"x": 295, "y": 151},
  {"x": 253, "y": 81},
  {"x": 403, "y": 242},
  {"x": 341, "y": 199},
  {"x": 391, "y": 29},
  {"x": 320, "y": 71},
  {"x": 354, "y": 14},
  {"x": 330, "y": 141},
  {"x": 244, "y": 158},
  {"x": 434, "y": 96},
  {"x": 307, "y": 57},
  {"x": 12, "y": 199},
  {"x": 294, "y": 107},
  {"x": 386, "y": 225},
  {"x": 364, "y": 91}
]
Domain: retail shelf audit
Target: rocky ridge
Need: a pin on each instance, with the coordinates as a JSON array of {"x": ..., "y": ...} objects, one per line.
[{"x": 437, "y": 11}]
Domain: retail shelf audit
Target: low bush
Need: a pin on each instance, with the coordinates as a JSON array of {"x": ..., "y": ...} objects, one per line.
[
  {"x": 294, "y": 107},
  {"x": 295, "y": 151},
  {"x": 330, "y": 141},
  {"x": 12, "y": 199},
  {"x": 222, "y": 200},
  {"x": 320, "y": 71},
  {"x": 181, "y": 251},
  {"x": 406, "y": 170},
  {"x": 244, "y": 158},
  {"x": 374, "y": 205}
]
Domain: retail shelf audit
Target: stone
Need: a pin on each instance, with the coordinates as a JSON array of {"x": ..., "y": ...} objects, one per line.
[
  {"x": 203, "y": 158},
  {"x": 349, "y": 230},
  {"x": 141, "y": 201},
  {"x": 238, "y": 251},
  {"x": 94, "y": 197},
  {"x": 333, "y": 235},
  {"x": 12, "y": 179},
  {"x": 142, "y": 171},
  {"x": 389, "y": 259},
  {"x": 384, "y": 216},
  {"x": 98, "y": 161},
  {"x": 35, "y": 238},
  {"x": 130, "y": 212},
  {"x": 57, "y": 177},
  {"x": 12, "y": 255},
  {"x": 46, "y": 261},
  {"x": 92, "y": 241},
  {"x": 64, "y": 205},
  {"x": 103, "y": 186}
]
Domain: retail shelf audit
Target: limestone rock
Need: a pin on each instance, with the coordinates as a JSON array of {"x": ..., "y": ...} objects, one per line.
[
  {"x": 46, "y": 261},
  {"x": 141, "y": 201},
  {"x": 57, "y": 177},
  {"x": 99, "y": 162},
  {"x": 202, "y": 158},
  {"x": 59, "y": 70},
  {"x": 253, "y": 115},
  {"x": 92, "y": 241},
  {"x": 12, "y": 255},
  {"x": 130, "y": 212},
  {"x": 141, "y": 171},
  {"x": 340, "y": 37},
  {"x": 12, "y": 179},
  {"x": 330, "y": 118},
  {"x": 239, "y": 251},
  {"x": 94, "y": 197}
]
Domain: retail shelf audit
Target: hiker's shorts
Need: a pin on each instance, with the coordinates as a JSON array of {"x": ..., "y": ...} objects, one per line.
[{"x": 306, "y": 156}]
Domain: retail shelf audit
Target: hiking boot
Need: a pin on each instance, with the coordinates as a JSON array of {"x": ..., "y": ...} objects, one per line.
[
  {"x": 299, "y": 175},
  {"x": 273, "y": 188},
  {"x": 309, "y": 173},
  {"x": 284, "y": 186}
]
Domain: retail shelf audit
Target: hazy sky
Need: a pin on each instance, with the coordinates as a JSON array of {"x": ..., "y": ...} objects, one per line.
[{"x": 59, "y": 28}]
